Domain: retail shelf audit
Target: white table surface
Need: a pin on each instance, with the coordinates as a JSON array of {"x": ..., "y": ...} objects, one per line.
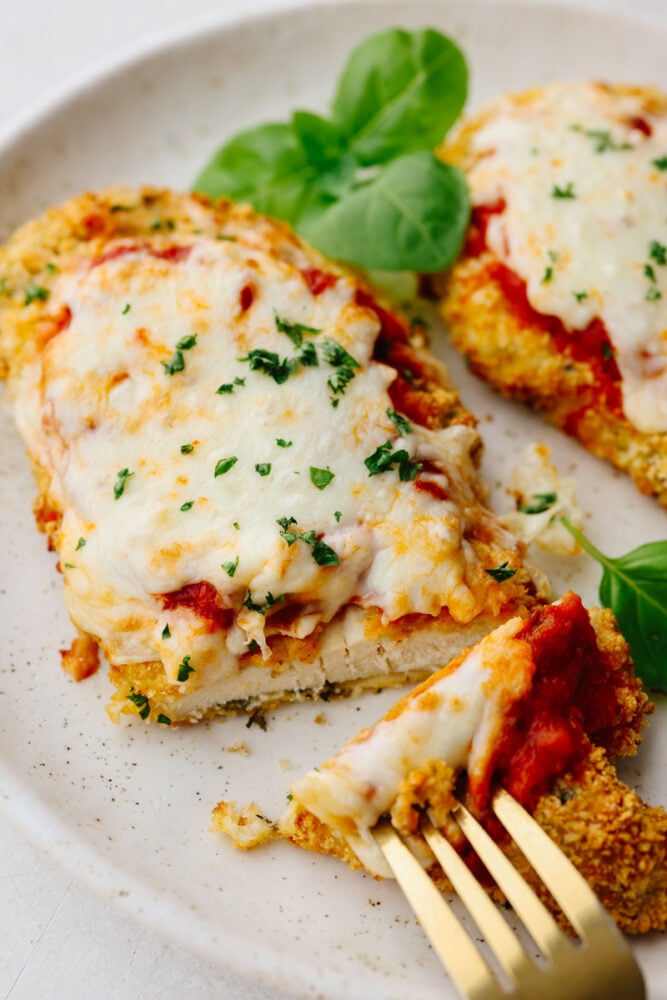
[{"x": 58, "y": 941}]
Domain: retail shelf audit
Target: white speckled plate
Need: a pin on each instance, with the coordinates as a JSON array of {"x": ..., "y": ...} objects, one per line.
[{"x": 127, "y": 808}]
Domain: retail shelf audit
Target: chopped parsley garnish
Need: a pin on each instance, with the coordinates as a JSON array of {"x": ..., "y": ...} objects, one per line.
[
  {"x": 271, "y": 364},
  {"x": 164, "y": 720},
  {"x": 649, "y": 272},
  {"x": 346, "y": 366},
  {"x": 187, "y": 448},
  {"x": 580, "y": 296},
  {"x": 543, "y": 501},
  {"x": 163, "y": 224},
  {"x": 653, "y": 294},
  {"x": 231, "y": 566},
  {"x": 69, "y": 565},
  {"x": 228, "y": 387},
  {"x": 323, "y": 554},
  {"x": 261, "y": 609},
  {"x": 402, "y": 425},
  {"x": 263, "y": 468},
  {"x": 184, "y": 669},
  {"x": 307, "y": 356},
  {"x": 552, "y": 255},
  {"x": 338, "y": 514},
  {"x": 121, "y": 480},
  {"x": 141, "y": 701},
  {"x": 563, "y": 192},
  {"x": 658, "y": 253},
  {"x": 607, "y": 350},
  {"x": 80, "y": 544},
  {"x": 176, "y": 362},
  {"x": 237, "y": 525},
  {"x": 166, "y": 632},
  {"x": 225, "y": 236},
  {"x": 126, "y": 309},
  {"x": 501, "y": 573},
  {"x": 603, "y": 139},
  {"x": 548, "y": 275},
  {"x": 294, "y": 331},
  {"x": 188, "y": 505},
  {"x": 383, "y": 459},
  {"x": 282, "y": 443},
  {"x": 223, "y": 465},
  {"x": 408, "y": 376},
  {"x": 320, "y": 477},
  {"x": 34, "y": 293},
  {"x": 253, "y": 646},
  {"x": 660, "y": 163}
]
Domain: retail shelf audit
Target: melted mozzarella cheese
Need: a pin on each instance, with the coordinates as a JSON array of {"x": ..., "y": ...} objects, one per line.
[
  {"x": 456, "y": 718},
  {"x": 159, "y": 473},
  {"x": 585, "y": 223}
]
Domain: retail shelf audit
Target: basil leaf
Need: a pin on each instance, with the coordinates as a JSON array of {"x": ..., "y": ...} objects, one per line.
[
  {"x": 634, "y": 586},
  {"x": 266, "y": 165},
  {"x": 412, "y": 216},
  {"x": 400, "y": 91}
]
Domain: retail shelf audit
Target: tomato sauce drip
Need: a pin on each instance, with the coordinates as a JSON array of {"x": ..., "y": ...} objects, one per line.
[
  {"x": 591, "y": 344},
  {"x": 479, "y": 221},
  {"x": 318, "y": 281},
  {"x": 569, "y": 705},
  {"x": 173, "y": 253},
  {"x": 204, "y": 600},
  {"x": 247, "y": 297}
]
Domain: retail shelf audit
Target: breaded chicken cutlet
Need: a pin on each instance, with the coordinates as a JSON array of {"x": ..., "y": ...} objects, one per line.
[
  {"x": 260, "y": 485},
  {"x": 541, "y": 707},
  {"x": 560, "y": 296}
]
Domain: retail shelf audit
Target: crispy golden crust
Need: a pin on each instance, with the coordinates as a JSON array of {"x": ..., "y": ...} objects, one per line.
[
  {"x": 618, "y": 842},
  {"x": 520, "y": 359},
  {"x": 81, "y": 230}
]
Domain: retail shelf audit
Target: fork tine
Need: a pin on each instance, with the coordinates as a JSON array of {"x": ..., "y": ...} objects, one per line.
[
  {"x": 541, "y": 925},
  {"x": 570, "y": 890},
  {"x": 454, "y": 948},
  {"x": 499, "y": 936}
]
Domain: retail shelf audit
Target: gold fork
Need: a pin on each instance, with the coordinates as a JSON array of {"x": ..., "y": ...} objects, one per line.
[{"x": 597, "y": 966}]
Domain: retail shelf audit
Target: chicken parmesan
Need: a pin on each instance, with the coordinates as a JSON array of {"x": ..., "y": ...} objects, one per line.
[
  {"x": 560, "y": 296},
  {"x": 540, "y": 706},
  {"x": 259, "y": 483}
]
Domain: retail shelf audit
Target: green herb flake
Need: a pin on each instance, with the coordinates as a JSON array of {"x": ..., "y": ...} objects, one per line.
[
  {"x": 263, "y": 468},
  {"x": 51, "y": 268},
  {"x": 186, "y": 343},
  {"x": 501, "y": 573},
  {"x": 126, "y": 309},
  {"x": 141, "y": 701},
  {"x": 188, "y": 505},
  {"x": 34, "y": 293},
  {"x": 163, "y": 224},
  {"x": 166, "y": 632},
  {"x": 604, "y": 142},
  {"x": 402, "y": 425},
  {"x": 384, "y": 459},
  {"x": 548, "y": 275},
  {"x": 121, "y": 482},
  {"x": 223, "y": 465},
  {"x": 282, "y": 443},
  {"x": 660, "y": 163},
  {"x": 543, "y": 501},
  {"x": 237, "y": 526},
  {"x": 271, "y": 364},
  {"x": 580, "y": 296},
  {"x": 261, "y": 609},
  {"x": 658, "y": 253},
  {"x": 187, "y": 449},
  {"x": 563, "y": 192},
  {"x": 80, "y": 544},
  {"x": 322, "y": 553},
  {"x": 231, "y": 566},
  {"x": 649, "y": 272},
  {"x": 184, "y": 669},
  {"x": 338, "y": 514},
  {"x": 175, "y": 364},
  {"x": 294, "y": 331},
  {"x": 164, "y": 720},
  {"x": 227, "y": 237},
  {"x": 653, "y": 294},
  {"x": 225, "y": 389},
  {"x": 69, "y": 565},
  {"x": 321, "y": 477}
]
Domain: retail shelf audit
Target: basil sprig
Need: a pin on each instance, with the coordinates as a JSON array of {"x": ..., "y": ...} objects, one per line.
[
  {"x": 363, "y": 185},
  {"x": 634, "y": 586}
]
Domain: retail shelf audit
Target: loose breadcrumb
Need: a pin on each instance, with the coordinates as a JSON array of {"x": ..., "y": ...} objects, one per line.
[{"x": 247, "y": 827}]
